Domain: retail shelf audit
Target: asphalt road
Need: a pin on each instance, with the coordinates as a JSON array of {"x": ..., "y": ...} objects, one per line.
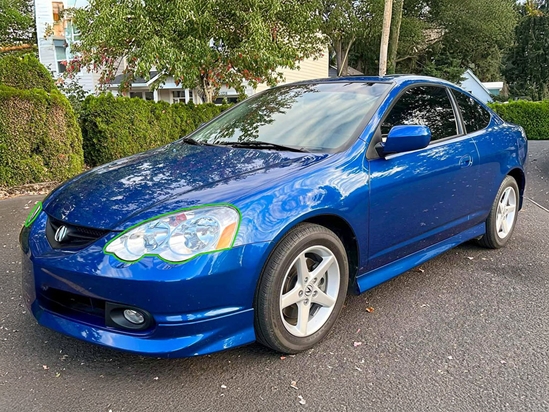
[{"x": 467, "y": 332}]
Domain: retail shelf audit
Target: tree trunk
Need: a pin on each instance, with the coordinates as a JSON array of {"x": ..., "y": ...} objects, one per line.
[
  {"x": 345, "y": 64},
  {"x": 339, "y": 63},
  {"x": 395, "y": 35},
  {"x": 19, "y": 47},
  {"x": 387, "y": 14},
  {"x": 207, "y": 91}
]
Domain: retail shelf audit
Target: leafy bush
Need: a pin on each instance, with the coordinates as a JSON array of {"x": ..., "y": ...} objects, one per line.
[
  {"x": 115, "y": 127},
  {"x": 40, "y": 139},
  {"x": 74, "y": 92},
  {"x": 25, "y": 72},
  {"x": 532, "y": 116}
]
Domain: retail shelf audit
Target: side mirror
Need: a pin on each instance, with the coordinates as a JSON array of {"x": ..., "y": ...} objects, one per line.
[{"x": 404, "y": 139}]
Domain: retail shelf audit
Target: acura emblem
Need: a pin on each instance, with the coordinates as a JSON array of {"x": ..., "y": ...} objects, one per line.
[{"x": 60, "y": 234}]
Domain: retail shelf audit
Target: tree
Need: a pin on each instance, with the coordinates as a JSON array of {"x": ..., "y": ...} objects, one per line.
[
  {"x": 395, "y": 35},
  {"x": 17, "y": 29},
  {"x": 534, "y": 7},
  {"x": 468, "y": 34},
  {"x": 201, "y": 44},
  {"x": 341, "y": 23},
  {"x": 441, "y": 38},
  {"x": 405, "y": 44},
  {"x": 527, "y": 66}
]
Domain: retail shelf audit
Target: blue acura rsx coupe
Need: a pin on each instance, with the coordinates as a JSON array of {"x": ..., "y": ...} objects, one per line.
[{"x": 253, "y": 227}]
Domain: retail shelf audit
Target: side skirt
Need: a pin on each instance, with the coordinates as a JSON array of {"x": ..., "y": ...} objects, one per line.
[{"x": 368, "y": 280}]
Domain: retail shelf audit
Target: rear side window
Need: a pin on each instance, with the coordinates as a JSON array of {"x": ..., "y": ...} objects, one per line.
[
  {"x": 474, "y": 115},
  {"x": 424, "y": 105}
]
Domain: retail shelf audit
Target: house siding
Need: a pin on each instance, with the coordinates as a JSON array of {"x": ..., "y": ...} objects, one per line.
[
  {"x": 44, "y": 16},
  {"x": 46, "y": 48},
  {"x": 474, "y": 86},
  {"x": 309, "y": 69}
]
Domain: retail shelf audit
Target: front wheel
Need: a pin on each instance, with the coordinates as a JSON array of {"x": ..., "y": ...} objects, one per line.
[
  {"x": 302, "y": 289},
  {"x": 503, "y": 215}
]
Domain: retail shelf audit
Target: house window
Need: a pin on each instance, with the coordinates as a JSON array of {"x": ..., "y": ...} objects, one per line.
[
  {"x": 142, "y": 95},
  {"x": 60, "y": 54},
  {"x": 61, "y": 67},
  {"x": 182, "y": 96},
  {"x": 226, "y": 99},
  {"x": 58, "y": 8},
  {"x": 179, "y": 96},
  {"x": 71, "y": 33},
  {"x": 65, "y": 34}
]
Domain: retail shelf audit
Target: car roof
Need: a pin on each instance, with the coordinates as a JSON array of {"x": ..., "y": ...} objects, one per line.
[{"x": 397, "y": 79}]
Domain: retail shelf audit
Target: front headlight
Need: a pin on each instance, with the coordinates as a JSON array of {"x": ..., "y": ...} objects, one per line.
[
  {"x": 33, "y": 214},
  {"x": 178, "y": 236}
]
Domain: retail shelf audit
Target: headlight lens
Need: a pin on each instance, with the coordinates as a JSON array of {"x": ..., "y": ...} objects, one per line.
[
  {"x": 178, "y": 236},
  {"x": 33, "y": 214}
]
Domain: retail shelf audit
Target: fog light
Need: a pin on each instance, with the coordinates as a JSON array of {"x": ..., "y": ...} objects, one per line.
[{"x": 134, "y": 316}]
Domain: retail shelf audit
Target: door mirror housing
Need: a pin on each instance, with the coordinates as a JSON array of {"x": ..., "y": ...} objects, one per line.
[{"x": 404, "y": 138}]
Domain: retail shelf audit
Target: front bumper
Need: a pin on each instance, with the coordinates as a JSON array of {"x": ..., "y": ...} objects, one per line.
[{"x": 198, "y": 307}]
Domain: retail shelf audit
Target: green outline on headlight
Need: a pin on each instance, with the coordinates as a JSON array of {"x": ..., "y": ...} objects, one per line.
[
  {"x": 33, "y": 214},
  {"x": 172, "y": 213}
]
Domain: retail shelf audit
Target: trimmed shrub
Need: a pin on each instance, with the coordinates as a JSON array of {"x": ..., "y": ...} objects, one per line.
[
  {"x": 40, "y": 139},
  {"x": 115, "y": 127},
  {"x": 532, "y": 116},
  {"x": 25, "y": 72}
]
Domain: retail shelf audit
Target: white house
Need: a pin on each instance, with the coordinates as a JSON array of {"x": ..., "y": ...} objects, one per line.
[
  {"x": 495, "y": 88},
  {"x": 473, "y": 85},
  {"x": 55, "y": 37},
  {"x": 57, "y": 34}
]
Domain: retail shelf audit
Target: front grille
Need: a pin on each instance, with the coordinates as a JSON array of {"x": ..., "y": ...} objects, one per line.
[
  {"x": 90, "y": 310},
  {"x": 76, "y": 237}
]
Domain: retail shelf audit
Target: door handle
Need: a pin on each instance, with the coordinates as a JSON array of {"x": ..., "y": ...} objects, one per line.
[{"x": 466, "y": 161}]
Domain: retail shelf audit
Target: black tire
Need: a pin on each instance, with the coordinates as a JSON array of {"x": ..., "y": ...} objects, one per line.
[
  {"x": 274, "y": 326},
  {"x": 495, "y": 238}
]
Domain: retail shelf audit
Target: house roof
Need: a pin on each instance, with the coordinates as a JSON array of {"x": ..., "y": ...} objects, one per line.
[
  {"x": 332, "y": 72},
  {"x": 470, "y": 75},
  {"x": 493, "y": 85},
  {"x": 138, "y": 81}
]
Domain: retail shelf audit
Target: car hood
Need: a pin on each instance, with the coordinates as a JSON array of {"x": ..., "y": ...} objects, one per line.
[{"x": 113, "y": 193}]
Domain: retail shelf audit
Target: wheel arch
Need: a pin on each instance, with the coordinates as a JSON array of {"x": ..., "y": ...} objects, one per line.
[
  {"x": 520, "y": 178},
  {"x": 337, "y": 224},
  {"x": 346, "y": 234}
]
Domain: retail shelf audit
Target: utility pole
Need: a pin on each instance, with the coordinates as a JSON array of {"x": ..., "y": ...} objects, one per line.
[{"x": 387, "y": 15}]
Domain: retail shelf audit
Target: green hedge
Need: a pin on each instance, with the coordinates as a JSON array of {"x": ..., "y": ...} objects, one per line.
[
  {"x": 25, "y": 72},
  {"x": 40, "y": 139},
  {"x": 115, "y": 127},
  {"x": 532, "y": 116}
]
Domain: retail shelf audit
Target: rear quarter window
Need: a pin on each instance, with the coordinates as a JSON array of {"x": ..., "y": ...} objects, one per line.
[{"x": 475, "y": 117}]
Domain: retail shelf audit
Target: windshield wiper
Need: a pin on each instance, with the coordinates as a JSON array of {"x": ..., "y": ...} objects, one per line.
[
  {"x": 191, "y": 141},
  {"x": 258, "y": 144}
]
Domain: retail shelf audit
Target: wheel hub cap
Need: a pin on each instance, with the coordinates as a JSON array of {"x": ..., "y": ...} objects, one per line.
[
  {"x": 309, "y": 291},
  {"x": 506, "y": 211}
]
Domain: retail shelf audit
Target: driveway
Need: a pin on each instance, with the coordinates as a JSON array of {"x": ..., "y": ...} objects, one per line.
[{"x": 468, "y": 331}]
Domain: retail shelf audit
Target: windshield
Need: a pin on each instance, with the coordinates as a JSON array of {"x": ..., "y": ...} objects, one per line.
[{"x": 312, "y": 117}]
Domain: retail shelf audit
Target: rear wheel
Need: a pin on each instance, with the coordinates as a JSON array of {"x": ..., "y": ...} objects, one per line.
[
  {"x": 503, "y": 215},
  {"x": 302, "y": 289}
]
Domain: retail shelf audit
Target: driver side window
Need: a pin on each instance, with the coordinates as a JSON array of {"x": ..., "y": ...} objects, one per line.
[{"x": 424, "y": 105}]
